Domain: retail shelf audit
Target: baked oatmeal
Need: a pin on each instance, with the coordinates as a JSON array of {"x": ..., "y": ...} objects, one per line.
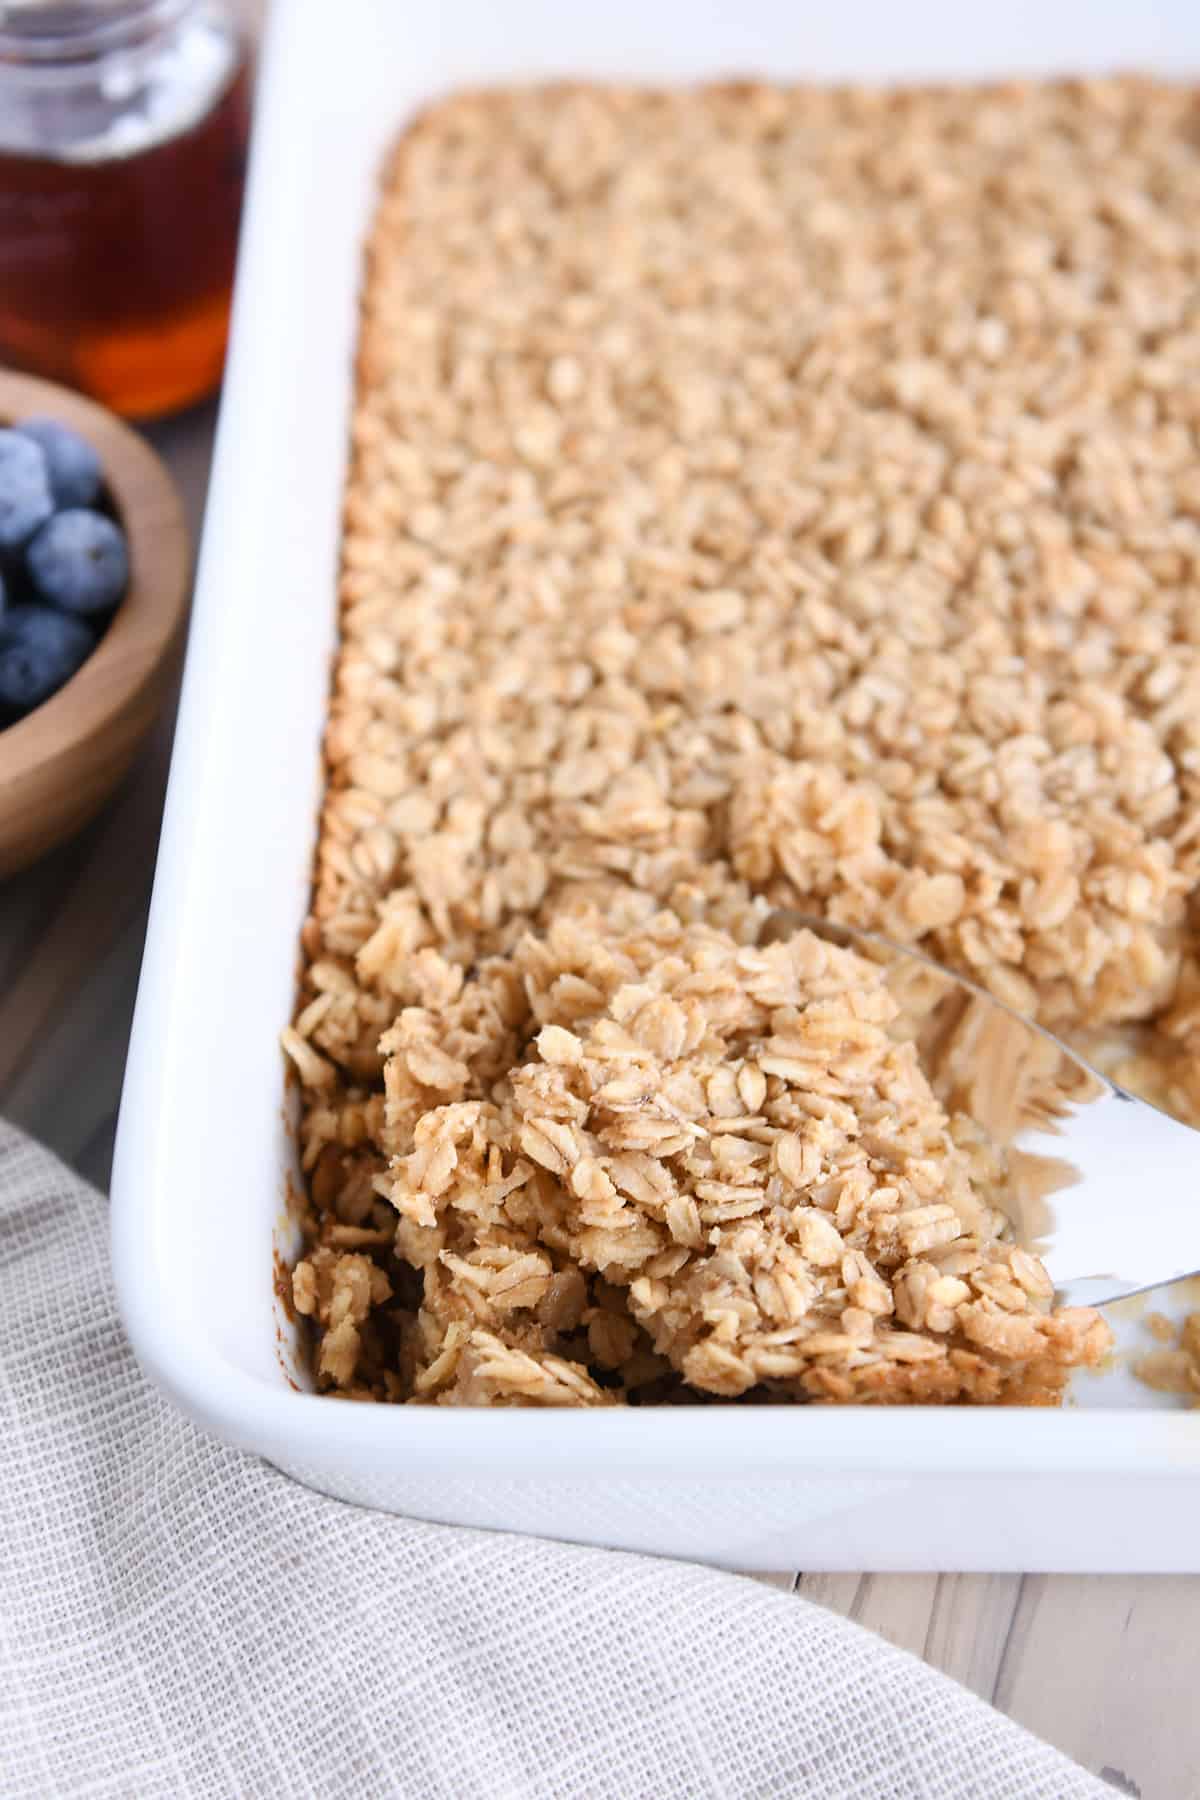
[
  {"x": 1174, "y": 1368},
  {"x": 759, "y": 497}
]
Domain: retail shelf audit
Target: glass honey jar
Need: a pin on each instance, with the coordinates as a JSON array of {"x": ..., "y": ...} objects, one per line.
[{"x": 123, "y": 129}]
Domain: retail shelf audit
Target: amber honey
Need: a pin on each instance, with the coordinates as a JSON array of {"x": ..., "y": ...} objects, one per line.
[{"x": 116, "y": 271}]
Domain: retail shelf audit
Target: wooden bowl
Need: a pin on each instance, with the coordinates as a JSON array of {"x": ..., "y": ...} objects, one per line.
[{"x": 59, "y": 765}]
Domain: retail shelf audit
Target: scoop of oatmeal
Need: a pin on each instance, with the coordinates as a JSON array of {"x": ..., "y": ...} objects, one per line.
[{"x": 711, "y": 1162}]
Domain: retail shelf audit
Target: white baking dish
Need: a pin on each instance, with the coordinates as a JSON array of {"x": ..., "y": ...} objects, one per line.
[{"x": 203, "y": 1158}]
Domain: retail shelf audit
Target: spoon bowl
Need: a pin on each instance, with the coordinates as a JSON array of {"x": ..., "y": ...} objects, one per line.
[{"x": 1103, "y": 1187}]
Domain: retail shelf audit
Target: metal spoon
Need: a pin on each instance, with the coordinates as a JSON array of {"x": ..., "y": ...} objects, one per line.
[{"x": 1104, "y": 1187}]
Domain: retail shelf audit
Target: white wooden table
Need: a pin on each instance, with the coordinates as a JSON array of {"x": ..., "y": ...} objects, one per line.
[{"x": 1104, "y": 1666}]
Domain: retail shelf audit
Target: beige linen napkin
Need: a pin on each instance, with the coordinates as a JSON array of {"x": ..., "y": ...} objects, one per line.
[{"x": 178, "y": 1619}]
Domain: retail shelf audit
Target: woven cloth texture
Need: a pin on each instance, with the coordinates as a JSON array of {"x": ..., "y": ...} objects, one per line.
[{"x": 179, "y": 1619}]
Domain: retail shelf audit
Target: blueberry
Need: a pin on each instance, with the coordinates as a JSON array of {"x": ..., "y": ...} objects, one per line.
[
  {"x": 79, "y": 561},
  {"x": 39, "y": 650},
  {"x": 25, "y": 498},
  {"x": 72, "y": 464}
]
